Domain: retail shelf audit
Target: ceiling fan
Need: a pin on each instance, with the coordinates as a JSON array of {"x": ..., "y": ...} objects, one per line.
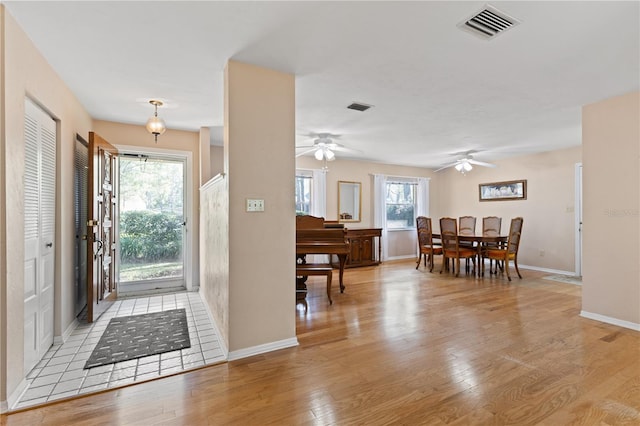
[
  {"x": 324, "y": 147},
  {"x": 465, "y": 163}
]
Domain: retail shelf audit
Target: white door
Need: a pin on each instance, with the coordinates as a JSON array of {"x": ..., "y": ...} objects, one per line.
[{"x": 39, "y": 232}]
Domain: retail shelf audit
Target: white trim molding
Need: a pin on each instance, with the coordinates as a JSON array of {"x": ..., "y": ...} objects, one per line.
[
  {"x": 212, "y": 181},
  {"x": 577, "y": 217},
  {"x": 260, "y": 349},
  {"x": 4, "y": 407},
  {"x": 15, "y": 395},
  {"x": 551, "y": 271},
  {"x": 59, "y": 340},
  {"x": 406, "y": 256},
  {"x": 610, "y": 320}
]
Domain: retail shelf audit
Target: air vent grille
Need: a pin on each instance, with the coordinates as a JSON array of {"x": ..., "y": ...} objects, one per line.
[
  {"x": 359, "y": 106},
  {"x": 488, "y": 23}
]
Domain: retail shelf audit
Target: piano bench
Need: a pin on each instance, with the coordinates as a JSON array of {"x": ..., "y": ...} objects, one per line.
[{"x": 306, "y": 269}]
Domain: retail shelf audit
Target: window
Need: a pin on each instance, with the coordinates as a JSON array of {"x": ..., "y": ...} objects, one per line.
[
  {"x": 401, "y": 204},
  {"x": 303, "y": 193}
]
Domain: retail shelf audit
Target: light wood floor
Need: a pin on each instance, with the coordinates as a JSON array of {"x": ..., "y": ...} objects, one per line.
[{"x": 402, "y": 346}]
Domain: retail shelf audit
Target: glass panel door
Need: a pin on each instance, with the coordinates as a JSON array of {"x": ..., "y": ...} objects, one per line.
[{"x": 151, "y": 228}]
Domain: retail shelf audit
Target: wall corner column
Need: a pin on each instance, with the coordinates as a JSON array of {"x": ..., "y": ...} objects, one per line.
[{"x": 260, "y": 164}]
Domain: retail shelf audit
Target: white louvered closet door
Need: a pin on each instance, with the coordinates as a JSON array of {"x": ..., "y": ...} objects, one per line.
[{"x": 39, "y": 232}]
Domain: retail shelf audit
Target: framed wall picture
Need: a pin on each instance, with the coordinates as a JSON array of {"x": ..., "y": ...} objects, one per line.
[{"x": 501, "y": 191}]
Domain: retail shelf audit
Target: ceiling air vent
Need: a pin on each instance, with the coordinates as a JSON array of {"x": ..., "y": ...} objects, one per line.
[
  {"x": 488, "y": 23},
  {"x": 359, "y": 106}
]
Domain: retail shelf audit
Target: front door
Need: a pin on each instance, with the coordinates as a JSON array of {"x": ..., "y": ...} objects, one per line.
[
  {"x": 39, "y": 232},
  {"x": 101, "y": 244}
]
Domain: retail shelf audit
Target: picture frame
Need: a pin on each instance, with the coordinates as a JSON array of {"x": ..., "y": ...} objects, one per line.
[{"x": 503, "y": 191}]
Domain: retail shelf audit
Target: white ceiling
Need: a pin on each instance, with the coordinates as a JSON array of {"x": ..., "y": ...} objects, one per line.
[{"x": 436, "y": 90}]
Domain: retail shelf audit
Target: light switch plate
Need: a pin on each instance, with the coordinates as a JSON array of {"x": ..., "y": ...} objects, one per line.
[{"x": 255, "y": 205}]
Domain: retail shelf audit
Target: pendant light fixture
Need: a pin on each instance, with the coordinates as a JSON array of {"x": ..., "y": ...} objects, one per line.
[{"x": 155, "y": 124}]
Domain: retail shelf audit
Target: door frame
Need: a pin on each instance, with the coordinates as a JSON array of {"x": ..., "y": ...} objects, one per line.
[
  {"x": 190, "y": 263},
  {"x": 578, "y": 219}
]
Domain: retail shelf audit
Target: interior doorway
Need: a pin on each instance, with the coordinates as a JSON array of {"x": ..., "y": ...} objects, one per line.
[{"x": 152, "y": 223}]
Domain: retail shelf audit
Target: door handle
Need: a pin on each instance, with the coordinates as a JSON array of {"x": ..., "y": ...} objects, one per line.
[
  {"x": 97, "y": 252},
  {"x": 49, "y": 245}
]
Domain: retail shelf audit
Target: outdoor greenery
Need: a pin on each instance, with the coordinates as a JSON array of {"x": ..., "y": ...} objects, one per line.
[
  {"x": 150, "y": 236},
  {"x": 402, "y": 215}
]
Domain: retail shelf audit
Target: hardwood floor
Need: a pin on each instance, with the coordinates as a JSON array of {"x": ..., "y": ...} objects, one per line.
[{"x": 402, "y": 346}]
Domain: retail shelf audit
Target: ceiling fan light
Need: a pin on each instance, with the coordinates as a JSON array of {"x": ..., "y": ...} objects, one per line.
[
  {"x": 319, "y": 154},
  {"x": 467, "y": 166},
  {"x": 330, "y": 155},
  {"x": 459, "y": 167}
]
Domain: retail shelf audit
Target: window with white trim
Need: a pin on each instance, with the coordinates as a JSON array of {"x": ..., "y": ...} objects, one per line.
[
  {"x": 304, "y": 183},
  {"x": 400, "y": 204}
]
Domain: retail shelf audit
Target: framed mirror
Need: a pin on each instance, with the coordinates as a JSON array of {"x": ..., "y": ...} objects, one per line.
[{"x": 349, "y": 201}]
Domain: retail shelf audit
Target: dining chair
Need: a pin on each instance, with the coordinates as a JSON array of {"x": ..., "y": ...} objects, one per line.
[
  {"x": 451, "y": 248},
  {"x": 510, "y": 251},
  {"x": 491, "y": 227},
  {"x": 467, "y": 225},
  {"x": 427, "y": 249}
]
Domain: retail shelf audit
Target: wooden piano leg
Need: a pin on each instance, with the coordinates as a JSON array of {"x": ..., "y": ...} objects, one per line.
[{"x": 343, "y": 261}]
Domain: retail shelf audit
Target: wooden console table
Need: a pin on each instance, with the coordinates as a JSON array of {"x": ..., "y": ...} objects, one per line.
[{"x": 362, "y": 249}]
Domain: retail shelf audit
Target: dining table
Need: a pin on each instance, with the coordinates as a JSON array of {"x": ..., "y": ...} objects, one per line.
[{"x": 477, "y": 240}]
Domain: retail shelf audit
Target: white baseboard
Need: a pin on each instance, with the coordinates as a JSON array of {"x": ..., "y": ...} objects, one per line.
[
  {"x": 16, "y": 394},
  {"x": 4, "y": 407},
  {"x": 408, "y": 256},
  {"x": 223, "y": 345},
  {"x": 551, "y": 271},
  {"x": 610, "y": 320},
  {"x": 58, "y": 340},
  {"x": 260, "y": 349}
]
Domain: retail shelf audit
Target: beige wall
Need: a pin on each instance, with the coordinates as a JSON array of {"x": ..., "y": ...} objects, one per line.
[
  {"x": 400, "y": 243},
  {"x": 611, "y": 272},
  {"x": 131, "y": 135},
  {"x": 259, "y": 163},
  {"x": 216, "y": 159},
  {"x": 26, "y": 73},
  {"x": 548, "y": 211}
]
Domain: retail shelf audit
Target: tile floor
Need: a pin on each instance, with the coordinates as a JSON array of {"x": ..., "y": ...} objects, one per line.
[{"x": 61, "y": 372}]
